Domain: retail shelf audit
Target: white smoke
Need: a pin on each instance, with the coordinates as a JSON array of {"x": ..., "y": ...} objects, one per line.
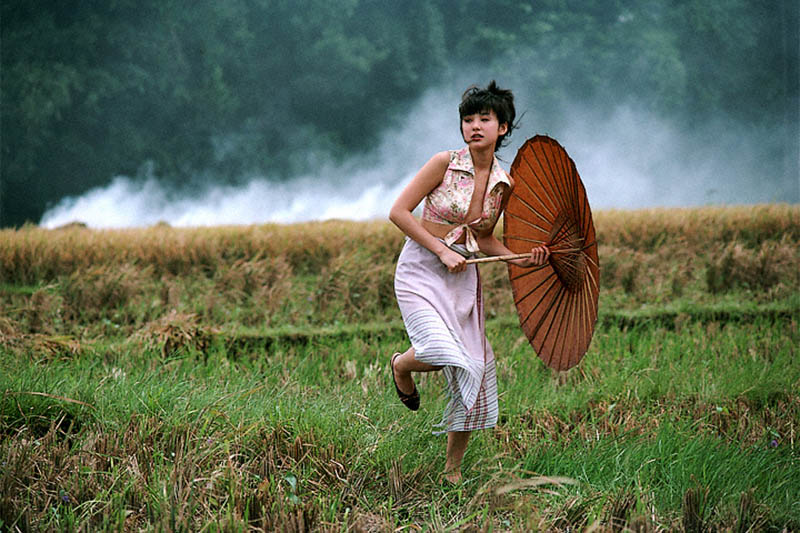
[
  {"x": 360, "y": 188},
  {"x": 627, "y": 157}
]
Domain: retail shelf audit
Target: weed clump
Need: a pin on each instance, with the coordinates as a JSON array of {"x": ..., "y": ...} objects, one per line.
[{"x": 174, "y": 333}]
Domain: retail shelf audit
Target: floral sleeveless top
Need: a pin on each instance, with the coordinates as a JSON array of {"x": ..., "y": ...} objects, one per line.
[{"x": 448, "y": 203}]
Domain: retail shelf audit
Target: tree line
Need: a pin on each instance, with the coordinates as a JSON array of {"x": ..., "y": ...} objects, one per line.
[{"x": 92, "y": 89}]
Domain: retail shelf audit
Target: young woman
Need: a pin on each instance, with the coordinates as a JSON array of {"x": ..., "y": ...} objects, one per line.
[{"x": 439, "y": 295}]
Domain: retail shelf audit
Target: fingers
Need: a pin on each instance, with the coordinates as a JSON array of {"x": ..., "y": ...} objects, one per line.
[
  {"x": 458, "y": 266},
  {"x": 454, "y": 262},
  {"x": 539, "y": 255}
]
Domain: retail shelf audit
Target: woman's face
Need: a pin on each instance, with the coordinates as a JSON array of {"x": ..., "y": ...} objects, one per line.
[{"x": 481, "y": 130}]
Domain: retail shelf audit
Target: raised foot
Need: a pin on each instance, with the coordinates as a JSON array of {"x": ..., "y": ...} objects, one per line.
[{"x": 410, "y": 400}]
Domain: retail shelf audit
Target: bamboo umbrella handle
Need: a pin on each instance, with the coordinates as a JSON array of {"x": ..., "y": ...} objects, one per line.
[{"x": 493, "y": 258}]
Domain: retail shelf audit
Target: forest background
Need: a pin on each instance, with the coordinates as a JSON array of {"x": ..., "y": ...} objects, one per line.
[{"x": 227, "y": 90}]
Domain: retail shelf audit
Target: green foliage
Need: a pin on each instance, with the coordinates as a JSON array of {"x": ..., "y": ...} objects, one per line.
[{"x": 239, "y": 87}]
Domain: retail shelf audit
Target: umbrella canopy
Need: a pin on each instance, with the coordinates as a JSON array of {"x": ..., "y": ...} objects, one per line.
[{"x": 556, "y": 302}]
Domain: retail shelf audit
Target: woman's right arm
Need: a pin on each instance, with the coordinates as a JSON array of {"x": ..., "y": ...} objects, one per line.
[{"x": 428, "y": 178}]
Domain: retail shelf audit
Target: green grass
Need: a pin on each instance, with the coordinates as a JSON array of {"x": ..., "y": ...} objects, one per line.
[
  {"x": 310, "y": 434},
  {"x": 236, "y": 378}
]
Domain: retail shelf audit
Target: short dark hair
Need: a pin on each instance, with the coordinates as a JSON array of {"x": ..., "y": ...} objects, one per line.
[{"x": 501, "y": 101}]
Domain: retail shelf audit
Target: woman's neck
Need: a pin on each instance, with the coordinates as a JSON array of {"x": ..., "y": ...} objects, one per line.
[{"x": 482, "y": 159}]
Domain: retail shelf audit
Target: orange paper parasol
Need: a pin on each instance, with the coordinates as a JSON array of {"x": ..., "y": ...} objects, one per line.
[{"x": 557, "y": 302}]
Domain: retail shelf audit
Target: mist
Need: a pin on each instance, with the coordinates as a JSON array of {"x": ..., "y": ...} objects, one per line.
[
  {"x": 628, "y": 158},
  {"x": 360, "y": 187},
  {"x": 119, "y": 117}
]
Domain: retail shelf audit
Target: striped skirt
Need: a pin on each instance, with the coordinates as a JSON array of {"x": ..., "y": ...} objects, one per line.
[{"x": 444, "y": 318}]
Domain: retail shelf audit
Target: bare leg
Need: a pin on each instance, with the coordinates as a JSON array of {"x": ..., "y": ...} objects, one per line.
[
  {"x": 456, "y": 440},
  {"x": 404, "y": 365},
  {"x": 456, "y": 446}
]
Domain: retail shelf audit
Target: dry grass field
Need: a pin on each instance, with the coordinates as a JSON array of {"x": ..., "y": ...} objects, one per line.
[{"x": 235, "y": 379}]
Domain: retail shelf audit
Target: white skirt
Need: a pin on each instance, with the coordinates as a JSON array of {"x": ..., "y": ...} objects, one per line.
[{"x": 444, "y": 317}]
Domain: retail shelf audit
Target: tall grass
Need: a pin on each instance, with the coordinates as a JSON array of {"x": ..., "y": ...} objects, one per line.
[
  {"x": 31, "y": 254},
  {"x": 312, "y": 436},
  {"x": 77, "y": 281},
  {"x": 235, "y": 378}
]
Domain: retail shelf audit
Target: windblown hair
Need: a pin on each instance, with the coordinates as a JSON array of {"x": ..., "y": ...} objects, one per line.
[{"x": 501, "y": 101}]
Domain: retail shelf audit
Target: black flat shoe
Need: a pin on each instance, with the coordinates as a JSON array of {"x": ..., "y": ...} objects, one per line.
[{"x": 409, "y": 400}]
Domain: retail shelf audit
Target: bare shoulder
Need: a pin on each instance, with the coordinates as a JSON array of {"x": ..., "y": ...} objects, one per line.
[
  {"x": 441, "y": 159},
  {"x": 435, "y": 168}
]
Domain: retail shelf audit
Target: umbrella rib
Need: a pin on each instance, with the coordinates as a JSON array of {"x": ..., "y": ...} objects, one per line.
[
  {"x": 587, "y": 217},
  {"x": 589, "y": 312},
  {"x": 579, "y": 346},
  {"x": 588, "y": 318},
  {"x": 555, "y": 152},
  {"x": 566, "y": 170},
  {"x": 547, "y": 186},
  {"x": 590, "y": 306},
  {"x": 525, "y": 239},
  {"x": 571, "y": 251},
  {"x": 561, "y": 226},
  {"x": 523, "y": 202},
  {"x": 570, "y": 169},
  {"x": 556, "y": 301},
  {"x": 558, "y": 153},
  {"x": 529, "y": 224},
  {"x": 563, "y": 235},
  {"x": 589, "y": 258},
  {"x": 579, "y": 314},
  {"x": 528, "y": 271},
  {"x": 554, "y": 192},
  {"x": 570, "y": 275},
  {"x": 559, "y": 319},
  {"x": 581, "y": 326},
  {"x": 528, "y": 186},
  {"x": 569, "y": 258},
  {"x": 546, "y": 213},
  {"x": 594, "y": 288},
  {"x": 585, "y": 213},
  {"x": 556, "y": 181},
  {"x": 547, "y": 192},
  {"x": 562, "y": 184},
  {"x": 569, "y": 314},
  {"x": 578, "y": 190},
  {"x": 534, "y": 333},
  {"x": 553, "y": 284}
]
